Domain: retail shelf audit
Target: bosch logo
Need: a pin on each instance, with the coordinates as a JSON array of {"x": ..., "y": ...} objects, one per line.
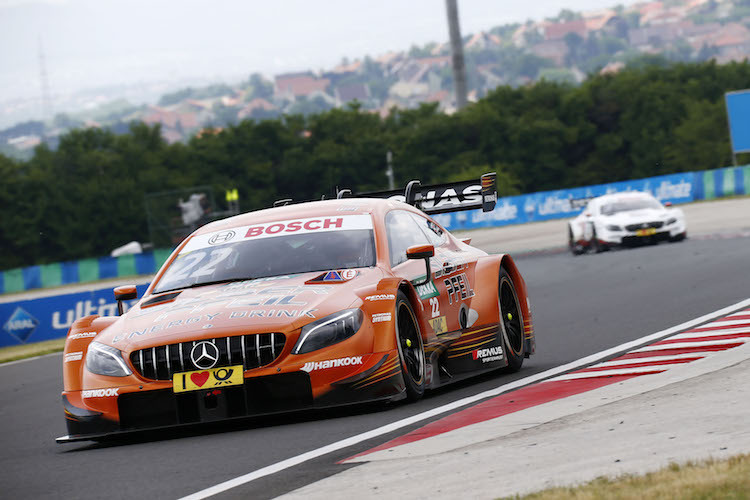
[
  {"x": 221, "y": 237},
  {"x": 204, "y": 355}
]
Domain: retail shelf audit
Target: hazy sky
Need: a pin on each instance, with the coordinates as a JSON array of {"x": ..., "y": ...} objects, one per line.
[{"x": 90, "y": 43}]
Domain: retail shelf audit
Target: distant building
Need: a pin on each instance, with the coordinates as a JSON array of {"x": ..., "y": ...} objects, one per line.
[{"x": 300, "y": 84}]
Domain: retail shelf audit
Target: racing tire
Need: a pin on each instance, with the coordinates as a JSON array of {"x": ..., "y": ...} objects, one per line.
[
  {"x": 410, "y": 348},
  {"x": 511, "y": 323},
  {"x": 575, "y": 248},
  {"x": 678, "y": 237},
  {"x": 597, "y": 247}
]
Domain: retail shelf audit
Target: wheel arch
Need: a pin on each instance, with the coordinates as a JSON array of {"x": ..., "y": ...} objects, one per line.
[{"x": 490, "y": 266}]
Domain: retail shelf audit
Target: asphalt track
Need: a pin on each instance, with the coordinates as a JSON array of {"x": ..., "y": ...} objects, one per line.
[{"x": 581, "y": 306}]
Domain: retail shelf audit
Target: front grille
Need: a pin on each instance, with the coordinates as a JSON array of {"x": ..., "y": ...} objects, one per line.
[
  {"x": 252, "y": 351},
  {"x": 645, "y": 225}
]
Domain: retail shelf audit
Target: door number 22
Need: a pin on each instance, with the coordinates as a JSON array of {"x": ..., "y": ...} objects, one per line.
[{"x": 435, "y": 303}]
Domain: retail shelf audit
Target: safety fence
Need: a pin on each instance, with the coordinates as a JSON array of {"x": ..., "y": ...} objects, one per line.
[{"x": 81, "y": 271}]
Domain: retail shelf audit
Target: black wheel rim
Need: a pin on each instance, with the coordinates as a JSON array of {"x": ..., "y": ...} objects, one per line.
[
  {"x": 511, "y": 316},
  {"x": 409, "y": 344}
]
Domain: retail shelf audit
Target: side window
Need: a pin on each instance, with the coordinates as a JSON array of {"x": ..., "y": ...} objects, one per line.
[
  {"x": 434, "y": 233},
  {"x": 403, "y": 232}
]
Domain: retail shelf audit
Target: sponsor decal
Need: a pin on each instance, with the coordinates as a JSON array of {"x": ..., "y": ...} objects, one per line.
[
  {"x": 458, "y": 288},
  {"x": 667, "y": 190},
  {"x": 221, "y": 237},
  {"x": 21, "y": 324},
  {"x": 85, "y": 308},
  {"x": 208, "y": 379},
  {"x": 488, "y": 354},
  {"x": 332, "y": 363},
  {"x": 439, "y": 325},
  {"x": 204, "y": 355},
  {"x": 381, "y": 317},
  {"x": 447, "y": 197},
  {"x": 382, "y": 296},
  {"x": 82, "y": 335},
  {"x": 503, "y": 212},
  {"x": 428, "y": 290},
  {"x": 279, "y": 228},
  {"x": 73, "y": 356},
  {"x": 339, "y": 276},
  {"x": 100, "y": 393}
]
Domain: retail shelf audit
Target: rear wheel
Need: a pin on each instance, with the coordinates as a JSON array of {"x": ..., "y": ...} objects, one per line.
[
  {"x": 410, "y": 349},
  {"x": 511, "y": 323}
]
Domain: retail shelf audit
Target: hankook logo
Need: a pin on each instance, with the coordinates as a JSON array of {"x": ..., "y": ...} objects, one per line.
[
  {"x": 221, "y": 237},
  {"x": 205, "y": 355}
]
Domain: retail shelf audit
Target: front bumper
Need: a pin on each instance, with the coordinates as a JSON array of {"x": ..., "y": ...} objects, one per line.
[
  {"x": 634, "y": 238},
  {"x": 257, "y": 396}
]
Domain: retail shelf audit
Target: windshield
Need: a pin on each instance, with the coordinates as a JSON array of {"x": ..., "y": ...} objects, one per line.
[
  {"x": 629, "y": 204},
  {"x": 269, "y": 250}
]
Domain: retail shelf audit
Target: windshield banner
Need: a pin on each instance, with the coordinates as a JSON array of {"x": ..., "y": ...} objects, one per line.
[{"x": 279, "y": 228}]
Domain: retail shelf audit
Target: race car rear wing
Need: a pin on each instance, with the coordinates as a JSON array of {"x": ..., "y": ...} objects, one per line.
[
  {"x": 443, "y": 198},
  {"x": 434, "y": 198}
]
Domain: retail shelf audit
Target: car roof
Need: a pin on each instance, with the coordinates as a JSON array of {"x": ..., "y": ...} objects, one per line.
[{"x": 344, "y": 206}]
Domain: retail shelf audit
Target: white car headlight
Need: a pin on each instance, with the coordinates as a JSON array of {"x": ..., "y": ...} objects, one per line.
[
  {"x": 106, "y": 360},
  {"x": 671, "y": 221},
  {"x": 329, "y": 330},
  {"x": 612, "y": 227}
]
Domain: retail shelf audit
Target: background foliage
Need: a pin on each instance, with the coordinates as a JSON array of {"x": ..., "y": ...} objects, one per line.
[{"x": 86, "y": 197}]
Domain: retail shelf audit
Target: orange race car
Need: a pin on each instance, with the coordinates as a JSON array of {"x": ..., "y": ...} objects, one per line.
[{"x": 302, "y": 306}]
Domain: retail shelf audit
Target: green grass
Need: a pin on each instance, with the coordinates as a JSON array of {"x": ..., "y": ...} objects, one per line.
[
  {"x": 710, "y": 479},
  {"x": 23, "y": 351}
]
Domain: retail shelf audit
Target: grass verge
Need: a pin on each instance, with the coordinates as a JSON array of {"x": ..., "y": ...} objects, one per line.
[
  {"x": 16, "y": 352},
  {"x": 725, "y": 479}
]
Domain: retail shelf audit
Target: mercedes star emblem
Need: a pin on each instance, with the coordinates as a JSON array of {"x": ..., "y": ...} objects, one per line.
[{"x": 205, "y": 355}]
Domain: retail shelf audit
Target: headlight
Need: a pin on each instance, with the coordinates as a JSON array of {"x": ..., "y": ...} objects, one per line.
[
  {"x": 612, "y": 227},
  {"x": 105, "y": 360},
  {"x": 671, "y": 221},
  {"x": 328, "y": 330}
]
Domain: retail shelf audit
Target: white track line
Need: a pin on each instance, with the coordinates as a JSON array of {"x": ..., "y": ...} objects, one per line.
[{"x": 344, "y": 443}]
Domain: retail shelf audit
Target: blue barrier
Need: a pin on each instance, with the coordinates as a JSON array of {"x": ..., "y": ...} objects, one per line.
[
  {"x": 567, "y": 203},
  {"x": 34, "y": 320}
]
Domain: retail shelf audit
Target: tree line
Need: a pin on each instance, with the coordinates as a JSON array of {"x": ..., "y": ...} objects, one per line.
[{"x": 86, "y": 197}]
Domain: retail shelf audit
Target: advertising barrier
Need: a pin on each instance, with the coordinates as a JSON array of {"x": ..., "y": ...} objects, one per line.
[
  {"x": 47, "y": 318},
  {"x": 568, "y": 203}
]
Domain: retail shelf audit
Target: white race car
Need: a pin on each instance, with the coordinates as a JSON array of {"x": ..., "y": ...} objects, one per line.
[{"x": 622, "y": 219}]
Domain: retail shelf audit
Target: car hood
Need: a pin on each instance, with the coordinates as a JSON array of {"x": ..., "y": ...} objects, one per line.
[
  {"x": 636, "y": 216},
  {"x": 278, "y": 304}
]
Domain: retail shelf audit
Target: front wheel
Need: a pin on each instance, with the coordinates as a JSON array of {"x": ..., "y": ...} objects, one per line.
[
  {"x": 410, "y": 349},
  {"x": 574, "y": 247},
  {"x": 511, "y": 323}
]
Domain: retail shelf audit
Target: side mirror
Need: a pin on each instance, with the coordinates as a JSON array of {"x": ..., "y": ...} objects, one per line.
[
  {"x": 124, "y": 292},
  {"x": 422, "y": 252},
  {"x": 667, "y": 203}
]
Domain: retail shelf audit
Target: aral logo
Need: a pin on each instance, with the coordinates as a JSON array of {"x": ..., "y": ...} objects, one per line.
[{"x": 21, "y": 325}]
